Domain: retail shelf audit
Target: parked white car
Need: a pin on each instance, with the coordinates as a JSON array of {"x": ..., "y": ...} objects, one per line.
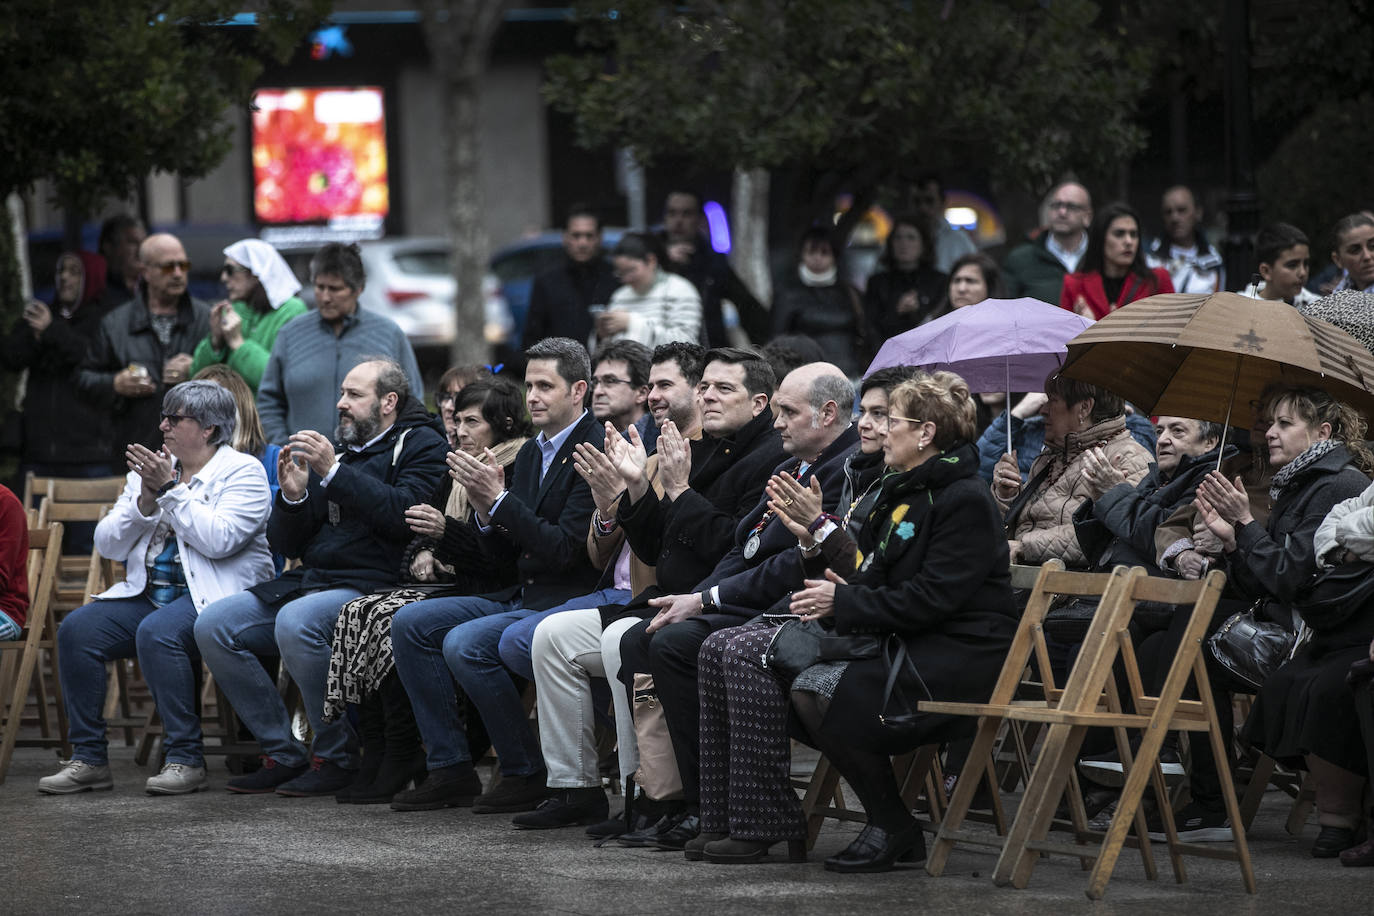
[{"x": 410, "y": 280}]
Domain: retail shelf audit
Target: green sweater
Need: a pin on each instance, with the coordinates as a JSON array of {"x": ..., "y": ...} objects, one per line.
[{"x": 259, "y": 331}]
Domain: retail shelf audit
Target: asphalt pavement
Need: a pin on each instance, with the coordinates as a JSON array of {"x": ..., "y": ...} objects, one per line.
[{"x": 214, "y": 852}]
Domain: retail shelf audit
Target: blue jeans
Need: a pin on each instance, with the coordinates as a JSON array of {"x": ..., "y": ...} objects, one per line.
[
  {"x": 117, "y": 628},
  {"x": 519, "y": 636},
  {"x": 233, "y": 630}
]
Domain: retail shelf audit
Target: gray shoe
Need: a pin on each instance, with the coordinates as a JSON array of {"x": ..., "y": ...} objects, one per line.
[
  {"x": 76, "y": 776},
  {"x": 177, "y": 779}
]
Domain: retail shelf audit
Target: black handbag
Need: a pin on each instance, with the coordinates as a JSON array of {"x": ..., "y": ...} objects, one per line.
[
  {"x": 1251, "y": 648},
  {"x": 897, "y": 713},
  {"x": 1336, "y": 594},
  {"x": 796, "y": 646}
]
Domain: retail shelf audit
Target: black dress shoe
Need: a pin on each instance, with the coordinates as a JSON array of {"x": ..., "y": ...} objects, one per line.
[
  {"x": 566, "y": 808},
  {"x": 324, "y": 777},
  {"x": 676, "y": 837},
  {"x": 1361, "y": 856},
  {"x": 447, "y": 787},
  {"x": 512, "y": 794},
  {"x": 647, "y": 835},
  {"x": 730, "y": 851},
  {"x": 393, "y": 776},
  {"x": 877, "y": 850},
  {"x": 1332, "y": 841}
]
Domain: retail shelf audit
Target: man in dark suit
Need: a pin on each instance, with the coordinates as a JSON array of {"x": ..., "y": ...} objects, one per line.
[
  {"x": 538, "y": 520},
  {"x": 560, "y": 298},
  {"x": 813, "y": 407}
]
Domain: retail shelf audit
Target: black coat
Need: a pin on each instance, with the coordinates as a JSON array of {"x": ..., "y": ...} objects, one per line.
[
  {"x": 62, "y": 425},
  {"x": 714, "y": 278},
  {"x": 934, "y": 572},
  {"x": 749, "y": 585},
  {"x": 684, "y": 539},
  {"x": 353, "y": 532},
  {"x": 541, "y": 526},
  {"x": 1274, "y": 560},
  {"x": 886, "y": 287},
  {"x": 559, "y": 299},
  {"x": 832, "y": 316},
  {"x": 126, "y": 336},
  {"x": 1119, "y": 526}
]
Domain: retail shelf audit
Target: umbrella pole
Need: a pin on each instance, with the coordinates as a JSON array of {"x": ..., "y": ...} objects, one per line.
[
  {"x": 1006, "y": 408},
  {"x": 1235, "y": 383}
]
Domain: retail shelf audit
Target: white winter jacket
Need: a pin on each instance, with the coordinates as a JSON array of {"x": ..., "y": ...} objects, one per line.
[
  {"x": 670, "y": 310},
  {"x": 219, "y": 518}
]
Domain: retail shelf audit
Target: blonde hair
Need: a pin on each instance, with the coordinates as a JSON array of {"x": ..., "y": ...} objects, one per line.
[
  {"x": 249, "y": 437},
  {"x": 1317, "y": 406},
  {"x": 941, "y": 398}
]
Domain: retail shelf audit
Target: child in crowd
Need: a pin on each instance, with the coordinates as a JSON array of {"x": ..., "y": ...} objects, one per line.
[{"x": 1283, "y": 254}]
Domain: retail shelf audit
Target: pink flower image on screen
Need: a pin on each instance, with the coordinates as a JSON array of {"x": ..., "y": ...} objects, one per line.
[{"x": 319, "y": 153}]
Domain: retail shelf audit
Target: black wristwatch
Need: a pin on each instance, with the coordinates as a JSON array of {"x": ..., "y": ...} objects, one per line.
[
  {"x": 162, "y": 490},
  {"x": 707, "y": 604}
]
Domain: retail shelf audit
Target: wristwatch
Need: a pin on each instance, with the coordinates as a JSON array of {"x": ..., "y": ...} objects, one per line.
[
  {"x": 162, "y": 490},
  {"x": 707, "y": 602}
]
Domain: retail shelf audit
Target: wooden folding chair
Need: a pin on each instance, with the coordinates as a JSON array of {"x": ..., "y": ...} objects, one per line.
[
  {"x": 1028, "y": 663},
  {"x": 21, "y": 660},
  {"x": 1090, "y": 699}
]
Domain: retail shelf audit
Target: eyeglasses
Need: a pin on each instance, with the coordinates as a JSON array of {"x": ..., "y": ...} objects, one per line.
[
  {"x": 608, "y": 381},
  {"x": 446, "y": 397},
  {"x": 232, "y": 269},
  {"x": 1067, "y": 205},
  {"x": 170, "y": 267},
  {"x": 912, "y": 420},
  {"x": 172, "y": 419}
]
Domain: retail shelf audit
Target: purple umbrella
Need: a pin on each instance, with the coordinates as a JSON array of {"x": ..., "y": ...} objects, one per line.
[{"x": 997, "y": 345}]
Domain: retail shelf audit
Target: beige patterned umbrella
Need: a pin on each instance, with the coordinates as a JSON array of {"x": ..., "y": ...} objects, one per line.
[{"x": 1203, "y": 356}]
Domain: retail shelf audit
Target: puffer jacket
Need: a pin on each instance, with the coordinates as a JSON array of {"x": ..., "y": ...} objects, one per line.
[{"x": 1044, "y": 525}]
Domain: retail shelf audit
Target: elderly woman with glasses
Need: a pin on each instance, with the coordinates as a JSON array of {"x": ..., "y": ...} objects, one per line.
[
  {"x": 190, "y": 528},
  {"x": 262, "y": 297}
]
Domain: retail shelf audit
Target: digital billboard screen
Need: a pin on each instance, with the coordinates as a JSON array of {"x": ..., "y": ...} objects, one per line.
[{"x": 319, "y": 156}]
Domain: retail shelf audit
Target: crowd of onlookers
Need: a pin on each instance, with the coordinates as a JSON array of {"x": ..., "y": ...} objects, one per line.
[{"x": 694, "y": 549}]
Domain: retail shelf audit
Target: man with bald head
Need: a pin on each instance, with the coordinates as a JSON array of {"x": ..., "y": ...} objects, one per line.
[
  {"x": 812, "y": 409},
  {"x": 144, "y": 346},
  {"x": 1037, "y": 268},
  {"x": 1194, "y": 265}
]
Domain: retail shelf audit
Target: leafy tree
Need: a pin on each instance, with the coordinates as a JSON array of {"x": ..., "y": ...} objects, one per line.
[
  {"x": 857, "y": 92},
  {"x": 459, "y": 34},
  {"x": 100, "y": 94}
]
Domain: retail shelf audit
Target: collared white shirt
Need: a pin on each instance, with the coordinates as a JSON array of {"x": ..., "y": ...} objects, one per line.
[{"x": 1069, "y": 257}]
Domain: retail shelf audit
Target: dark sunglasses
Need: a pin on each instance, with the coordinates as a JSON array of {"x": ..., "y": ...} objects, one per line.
[
  {"x": 170, "y": 267},
  {"x": 173, "y": 419},
  {"x": 232, "y": 269}
]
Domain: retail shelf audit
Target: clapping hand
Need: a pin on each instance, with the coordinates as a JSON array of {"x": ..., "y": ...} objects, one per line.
[
  {"x": 796, "y": 506},
  {"x": 674, "y": 460},
  {"x": 293, "y": 474},
  {"x": 426, "y": 521},
  {"x": 1101, "y": 472},
  {"x": 629, "y": 458},
  {"x": 483, "y": 478},
  {"x": 601, "y": 475},
  {"x": 315, "y": 449}
]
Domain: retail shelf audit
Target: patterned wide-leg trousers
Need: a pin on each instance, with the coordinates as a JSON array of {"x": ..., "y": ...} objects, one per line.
[{"x": 746, "y": 756}]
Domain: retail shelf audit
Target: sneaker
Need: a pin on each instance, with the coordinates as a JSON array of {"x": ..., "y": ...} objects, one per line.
[
  {"x": 177, "y": 779},
  {"x": 1332, "y": 841},
  {"x": 685, "y": 828},
  {"x": 567, "y": 808},
  {"x": 76, "y": 776},
  {"x": 324, "y": 777},
  {"x": 1106, "y": 769},
  {"x": 616, "y": 826},
  {"x": 454, "y": 786},
  {"x": 1195, "y": 824},
  {"x": 266, "y": 778},
  {"x": 513, "y": 793}
]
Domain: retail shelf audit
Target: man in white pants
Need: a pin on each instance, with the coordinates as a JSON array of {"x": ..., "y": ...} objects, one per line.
[{"x": 720, "y": 470}]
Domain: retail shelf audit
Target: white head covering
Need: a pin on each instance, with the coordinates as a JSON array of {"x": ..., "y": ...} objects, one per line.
[{"x": 271, "y": 270}]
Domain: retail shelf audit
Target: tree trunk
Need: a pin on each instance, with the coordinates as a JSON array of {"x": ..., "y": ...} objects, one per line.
[
  {"x": 459, "y": 34},
  {"x": 749, "y": 235}
]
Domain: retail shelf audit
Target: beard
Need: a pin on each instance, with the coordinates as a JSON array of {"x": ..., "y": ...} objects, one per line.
[{"x": 351, "y": 431}]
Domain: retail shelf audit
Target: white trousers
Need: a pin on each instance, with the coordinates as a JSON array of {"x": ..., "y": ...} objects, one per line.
[{"x": 569, "y": 649}]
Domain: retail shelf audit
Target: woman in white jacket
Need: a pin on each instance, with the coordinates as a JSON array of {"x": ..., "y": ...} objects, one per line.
[
  {"x": 190, "y": 528},
  {"x": 653, "y": 306}
]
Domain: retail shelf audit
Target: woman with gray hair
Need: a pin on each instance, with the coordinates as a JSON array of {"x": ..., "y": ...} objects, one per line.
[{"x": 190, "y": 528}]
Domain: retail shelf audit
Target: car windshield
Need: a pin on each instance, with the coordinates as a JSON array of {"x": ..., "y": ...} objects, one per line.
[{"x": 431, "y": 263}]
